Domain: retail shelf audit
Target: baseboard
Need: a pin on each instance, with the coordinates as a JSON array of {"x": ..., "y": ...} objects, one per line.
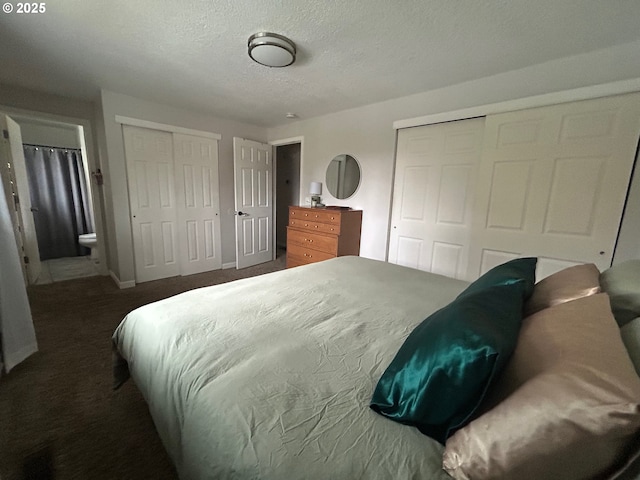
[
  {"x": 225, "y": 266},
  {"x": 121, "y": 285}
]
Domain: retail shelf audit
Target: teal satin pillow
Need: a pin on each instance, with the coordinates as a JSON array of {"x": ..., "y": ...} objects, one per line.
[
  {"x": 519, "y": 269},
  {"x": 440, "y": 374}
]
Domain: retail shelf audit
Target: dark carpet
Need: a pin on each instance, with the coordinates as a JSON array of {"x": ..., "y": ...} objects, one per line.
[{"x": 59, "y": 417}]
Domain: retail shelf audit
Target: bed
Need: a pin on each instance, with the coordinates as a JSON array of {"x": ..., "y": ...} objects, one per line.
[{"x": 271, "y": 377}]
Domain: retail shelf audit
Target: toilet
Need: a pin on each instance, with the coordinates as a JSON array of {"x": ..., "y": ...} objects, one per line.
[{"x": 90, "y": 240}]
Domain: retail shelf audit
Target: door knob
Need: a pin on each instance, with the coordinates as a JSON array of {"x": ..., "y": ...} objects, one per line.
[{"x": 242, "y": 214}]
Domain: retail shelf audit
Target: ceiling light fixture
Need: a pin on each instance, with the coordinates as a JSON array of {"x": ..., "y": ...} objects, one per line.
[{"x": 271, "y": 49}]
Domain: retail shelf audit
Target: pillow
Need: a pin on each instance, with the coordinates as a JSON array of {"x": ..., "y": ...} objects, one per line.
[
  {"x": 563, "y": 286},
  {"x": 517, "y": 270},
  {"x": 441, "y": 372},
  {"x": 574, "y": 406},
  {"x": 622, "y": 284},
  {"x": 630, "y": 334}
]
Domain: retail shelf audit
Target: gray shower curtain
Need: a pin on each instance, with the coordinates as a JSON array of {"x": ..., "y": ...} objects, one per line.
[{"x": 59, "y": 198}]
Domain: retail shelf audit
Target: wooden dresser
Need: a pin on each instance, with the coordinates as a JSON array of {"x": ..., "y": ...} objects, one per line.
[{"x": 316, "y": 234}]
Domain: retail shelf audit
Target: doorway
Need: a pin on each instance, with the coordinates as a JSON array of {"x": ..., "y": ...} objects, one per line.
[
  {"x": 287, "y": 188},
  {"x": 52, "y": 160}
]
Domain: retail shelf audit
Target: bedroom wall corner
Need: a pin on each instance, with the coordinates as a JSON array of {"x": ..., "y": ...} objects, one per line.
[{"x": 113, "y": 104}]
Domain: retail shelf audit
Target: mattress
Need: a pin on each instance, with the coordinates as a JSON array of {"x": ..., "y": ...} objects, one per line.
[{"x": 270, "y": 377}]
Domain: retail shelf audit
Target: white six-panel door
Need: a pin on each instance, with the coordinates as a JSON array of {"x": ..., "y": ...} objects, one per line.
[
  {"x": 174, "y": 201},
  {"x": 253, "y": 169},
  {"x": 549, "y": 182},
  {"x": 150, "y": 172},
  {"x": 198, "y": 203},
  {"x": 433, "y": 196},
  {"x": 553, "y": 182}
]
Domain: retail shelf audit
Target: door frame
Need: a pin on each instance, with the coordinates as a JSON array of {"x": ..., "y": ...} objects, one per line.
[
  {"x": 281, "y": 143},
  {"x": 93, "y": 165}
]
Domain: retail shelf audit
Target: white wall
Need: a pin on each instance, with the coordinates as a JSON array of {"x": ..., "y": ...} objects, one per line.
[
  {"x": 23, "y": 98},
  {"x": 367, "y": 133},
  {"x": 49, "y": 135},
  {"x": 111, "y": 146}
]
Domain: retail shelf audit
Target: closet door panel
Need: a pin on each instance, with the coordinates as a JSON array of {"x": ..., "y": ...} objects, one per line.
[
  {"x": 552, "y": 183},
  {"x": 149, "y": 156},
  {"x": 198, "y": 204},
  {"x": 436, "y": 169}
]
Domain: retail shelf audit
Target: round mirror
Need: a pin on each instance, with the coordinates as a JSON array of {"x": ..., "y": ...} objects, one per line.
[{"x": 343, "y": 176}]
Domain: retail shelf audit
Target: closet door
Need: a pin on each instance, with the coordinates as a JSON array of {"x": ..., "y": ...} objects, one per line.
[
  {"x": 150, "y": 172},
  {"x": 198, "y": 204},
  {"x": 436, "y": 167},
  {"x": 552, "y": 183}
]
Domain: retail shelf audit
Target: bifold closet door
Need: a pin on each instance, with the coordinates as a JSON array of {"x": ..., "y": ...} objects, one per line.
[
  {"x": 150, "y": 173},
  {"x": 436, "y": 168},
  {"x": 552, "y": 184}
]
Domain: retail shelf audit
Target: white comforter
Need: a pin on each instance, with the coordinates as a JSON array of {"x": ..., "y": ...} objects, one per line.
[{"x": 270, "y": 377}]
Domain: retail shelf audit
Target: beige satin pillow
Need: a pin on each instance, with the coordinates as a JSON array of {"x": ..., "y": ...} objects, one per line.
[
  {"x": 572, "y": 402},
  {"x": 563, "y": 286}
]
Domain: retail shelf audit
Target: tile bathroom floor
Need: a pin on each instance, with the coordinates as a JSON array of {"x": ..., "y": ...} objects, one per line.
[{"x": 59, "y": 269}]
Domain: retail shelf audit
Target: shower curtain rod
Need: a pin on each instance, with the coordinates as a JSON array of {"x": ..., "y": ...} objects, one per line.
[{"x": 49, "y": 146}]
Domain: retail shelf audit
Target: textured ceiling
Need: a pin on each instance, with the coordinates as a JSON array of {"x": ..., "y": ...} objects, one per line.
[{"x": 192, "y": 53}]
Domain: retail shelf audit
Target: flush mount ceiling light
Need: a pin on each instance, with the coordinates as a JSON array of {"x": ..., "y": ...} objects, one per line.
[{"x": 271, "y": 49}]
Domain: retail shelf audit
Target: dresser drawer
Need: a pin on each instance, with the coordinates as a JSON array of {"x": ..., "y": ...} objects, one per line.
[
  {"x": 315, "y": 226},
  {"x": 317, "y": 234},
  {"x": 299, "y": 254},
  {"x": 315, "y": 215},
  {"x": 313, "y": 240}
]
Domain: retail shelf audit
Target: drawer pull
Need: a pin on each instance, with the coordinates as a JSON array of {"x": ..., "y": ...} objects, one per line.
[
  {"x": 306, "y": 224},
  {"x": 315, "y": 226},
  {"x": 307, "y": 255},
  {"x": 333, "y": 218}
]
